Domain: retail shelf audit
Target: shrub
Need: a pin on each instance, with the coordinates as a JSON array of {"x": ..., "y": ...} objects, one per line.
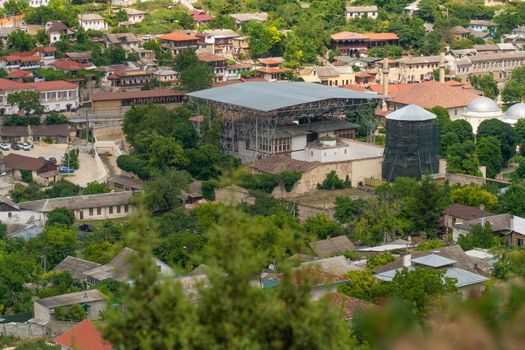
[
  {"x": 333, "y": 182},
  {"x": 135, "y": 165},
  {"x": 27, "y": 175},
  {"x": 208, "y": 190},
  {"x": 61, "y": 216}
]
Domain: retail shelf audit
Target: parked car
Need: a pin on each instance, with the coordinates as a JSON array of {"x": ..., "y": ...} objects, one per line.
[
  {"x": 4, "y": 146},
  {"x": 27, "y": 146},
  {"x": 53, "y": 160},
  {"x": 66, "y": 170},
  {"x": 15, "y": 146},
  {"x": 86, "y": 227}
]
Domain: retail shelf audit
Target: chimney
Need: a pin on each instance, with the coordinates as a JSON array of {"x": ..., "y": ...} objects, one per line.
[
  {"x": 385, "y": 70},
  {"x": 407, "y": 260},
  {"x": 442, "y": 65}
]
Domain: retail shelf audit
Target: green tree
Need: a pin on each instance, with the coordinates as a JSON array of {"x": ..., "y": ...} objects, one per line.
[
  {"x": 55, "y": 118},
  {"x": 519, "y": 128},
  {"x": 94, "y": 187},
  {"x": 333, "y": 182},
  {"x": 42, "y": 37},
  {"x": 204, "y": 161},
  {"x": 20, "y": 41},
  {"x": 487, "y": 84},
  {"x": 514, "y": 90},
  {"x": 99, "y": 252},
  {"x": 198, "y": 76},
  {"x": 462, "y": 158},
  {"x": 322, "y": 227},
  {"x": 421, "y": 287},
  {"x": 62, "y": 188},
  {"x": 430, "y": 244},
  {"x": 60, "y": 216},
  {"x": 489, "y": 155},
  {"x": 15, "y": 270},
  {"x": 512, "y": 201},
  {"x": 478, "y": 237},
  {"x": 15, "y": 7},
  {"x": 26, "y": 101},
  {"x": 503, "y": 132},
  {"x": 163, "y": 190},
  {"x": 347, "y": 209},
  {"x": 53, "y": 245},
  {"x": 426, "y": 205},
  {"x": 377, "y": 260},
  {"x": 474, "y": 196},
  {"x": 363, "y": 285}
]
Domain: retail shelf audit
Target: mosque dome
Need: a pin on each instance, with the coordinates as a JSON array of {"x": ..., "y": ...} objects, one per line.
[
  {"x": 516, "y": 111},
  {"x": 483, "y": 105}
]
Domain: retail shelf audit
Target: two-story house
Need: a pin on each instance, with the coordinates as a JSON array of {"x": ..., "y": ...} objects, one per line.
[
  {"x": 218, "y": 63},
  {"x": 128, "y": 41},
  {"x": 179, "y": 41},
  {"x": 353, "y": 12},
  {"x": 92, "y": 21},
  {"x": 55, "y": 30}
]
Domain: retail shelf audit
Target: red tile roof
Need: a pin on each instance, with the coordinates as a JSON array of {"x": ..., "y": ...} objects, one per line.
[
  {"x": 17, "y": 161},
  {"x": 431, "y": 94},
  {"x": 51, "y": 85},
  {"x": 6, "y": 84},
  {"x": 83, "y": 336},
  {"x": 45, "y": 49},
  {"x": 349, "y": 306},
  {"x": 201, "y": 16},
  {"x": 69, "y": 65},
  {"x": 209, "y": 57},
  {"x": 177, "y": 36},
  {"x": 273, "y": 70},
  {"x": 348, "y": 36},
  {"x": 19, "y": 73},
  {"x": 110, "y": 96},
  {"x": 392, "y": 88},
  {"x": 381, "y": 36}
]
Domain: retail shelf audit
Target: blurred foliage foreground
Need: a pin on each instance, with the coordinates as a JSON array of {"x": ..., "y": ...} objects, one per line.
[{"x": 227, "y": 310}]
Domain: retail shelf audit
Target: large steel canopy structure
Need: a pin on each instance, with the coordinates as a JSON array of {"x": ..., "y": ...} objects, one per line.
[{"x": 251, "y": 111}]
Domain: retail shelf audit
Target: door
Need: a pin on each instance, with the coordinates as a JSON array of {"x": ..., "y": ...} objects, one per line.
[{"x": 81, "y": 215}]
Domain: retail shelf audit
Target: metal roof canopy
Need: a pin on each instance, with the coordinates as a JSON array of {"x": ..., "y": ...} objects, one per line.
[{"x": 268, "y": 97}]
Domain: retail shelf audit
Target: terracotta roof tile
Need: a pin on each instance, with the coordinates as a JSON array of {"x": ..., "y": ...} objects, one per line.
[
  {"x": 349, "y": 306},
  {"x": 431, "y": 94},
  {"x": 278, "y": 164},
  {"x": 83, "y": 336},
  {"x": 381, "y": 36},
  {"x": 177, "y": 36}
]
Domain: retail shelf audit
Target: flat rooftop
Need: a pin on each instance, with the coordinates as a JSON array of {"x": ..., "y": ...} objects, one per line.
[{"x": 266, "y": 96}]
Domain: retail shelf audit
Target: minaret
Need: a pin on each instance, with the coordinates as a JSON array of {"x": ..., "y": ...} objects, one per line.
[
  {"x": 385, "y": 70},
  {"x": 442, "y": 65}
]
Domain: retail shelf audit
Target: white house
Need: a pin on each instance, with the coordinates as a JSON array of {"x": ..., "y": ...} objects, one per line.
[
  {"x": 92, "y": 21},
  {"x": 352, "y": 12},
  {"x": 38, "y": 3},
  {"x": 55, "y": 30},
  {"x": 134, "y": 16}
]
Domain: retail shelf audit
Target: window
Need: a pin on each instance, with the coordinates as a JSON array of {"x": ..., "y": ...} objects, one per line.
[
  {"x": 520, "y": 242},
  {"x": 111, "y": 210},
  {"x": 99, "y": 211},
  {"x": 126, "y": 208},
  {"x": 10, "y": 215},
  {"x": 118, "y": 209},
  {"x": 90, "y": 211}
]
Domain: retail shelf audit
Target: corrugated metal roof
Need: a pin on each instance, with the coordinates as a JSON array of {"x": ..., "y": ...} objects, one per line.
[
  {"x": 266, "y": 97},
  {"x": 87, "y": 296},
  {"x": 433, "y": 260},
  {"x": 464, "y": 277},
  {"x": 411, "y": 113}
]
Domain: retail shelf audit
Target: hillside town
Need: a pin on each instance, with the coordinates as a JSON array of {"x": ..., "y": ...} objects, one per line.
[{"x": 271, "y": 174}]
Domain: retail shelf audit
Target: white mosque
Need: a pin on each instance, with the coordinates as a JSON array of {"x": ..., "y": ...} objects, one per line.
[{"x": 484, "y": 108}]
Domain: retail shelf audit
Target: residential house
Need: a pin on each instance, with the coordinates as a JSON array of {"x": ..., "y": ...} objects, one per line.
[
  {"x": 178, "y": 41},
  {"x": 18, "y": 220},
  {"x": 458, "y": 213},
  {"x": 71, "y": 66},
  {"x": 165, "y": 75},
  {"x": 124, "y": 183},
  {"x": 336, "y": 265},
  {"x": 200, "y": 17},
  {"x": 46, "y": 54},
  {"x": 21, "y": 75},
  {"x": 5, "y": 31},
  {"x": 20, "y": 60},
  {"x": 470, "y": 284},
  {"x": 459, "y": 32},
  {"x": 395, "y": 246},
  {"x": 510, "y": 227},
  {"x": 128, "y": 41},
  {"x": 42, "y": 171},
  {"x": 353, "y": 12},
  {"x": 83, "y": 336},
  {"x": 413, "y": 69},
  {"x": 80, "y": 57},
  {"x": 129, "y": 79},
  {"x": 218, "y": 63},
  {"x": 242, "y": 18},
  {"x": 332, "y": 75},
  {"x": 270, "y": 68},
  {"x": 235, "y": 71},
  {"x": 241, "y": 46},
  {"x": 363, "y": 63},
  {"x": 134, "y": 16},
  {"x": 332, "y": 246},
  {"x": 118, "y": 269},
  {"x": 76, "y": 267},
  {"x": 219, "y": 40},
  {"x": 323, "y": 283},
  {"x": 60, "y": 133},
  {"x": 358, "y": 44},
  {"x": 88, "y": 207},
  {"x": 412, "y": 8},
  {"x": 92, "y": 301},
  {"x": 107, "y": 101},
  {"x": 55, "y": 30},
  {"x": 92, "y": 21},
  {"x": 483, "y": 26}
]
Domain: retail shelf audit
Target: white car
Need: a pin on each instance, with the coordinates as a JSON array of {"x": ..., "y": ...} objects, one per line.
[
  {"x": 26, "y": 146},
  {"x": 4, "y": 146}
]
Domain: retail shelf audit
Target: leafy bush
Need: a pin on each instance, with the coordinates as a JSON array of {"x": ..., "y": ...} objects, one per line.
[
  {"x": 374, "y": 261},
  {"x": 289, "y": 178},
  {"x": 27, "y": 175},
  {"x": 61, "y": 216},
  {"x": 267, "y": 182},
  {"x": 134, "y": 165},
  {"x": 208, "y": 190},
  {"x": 71, "y": 159},
  {"x": 332, "y": 182}
]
